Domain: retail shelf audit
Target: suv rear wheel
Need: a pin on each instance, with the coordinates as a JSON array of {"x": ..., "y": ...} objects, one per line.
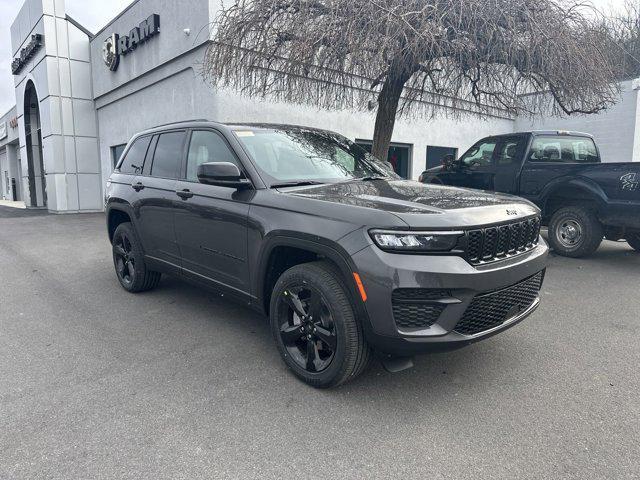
[
  {"x": 314, "y": 326},
  {"x": 634, "y": 241},
  {"x": 575, "y": 232},
  {"x": 128, "y": 259}
]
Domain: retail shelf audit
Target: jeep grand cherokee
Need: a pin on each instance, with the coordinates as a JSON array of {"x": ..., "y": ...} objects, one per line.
[{"x": 346, "y": 258}]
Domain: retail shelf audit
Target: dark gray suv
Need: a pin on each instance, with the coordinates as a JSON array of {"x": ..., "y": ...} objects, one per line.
[{"x": 347, "y": 259}]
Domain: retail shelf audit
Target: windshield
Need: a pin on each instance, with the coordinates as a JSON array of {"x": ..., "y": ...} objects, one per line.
[{"x": 295, "y": 155}]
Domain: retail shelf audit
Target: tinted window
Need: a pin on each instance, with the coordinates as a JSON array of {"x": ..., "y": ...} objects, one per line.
[
  {"x": 508, "y": 151},
  {"x": 168, "y": 155},
  {"x": 563, "y": 149},
  {"x": 206, "y": 147},
  {"x": 480, "y": 154},
  {"x": 133, "y": 162}
]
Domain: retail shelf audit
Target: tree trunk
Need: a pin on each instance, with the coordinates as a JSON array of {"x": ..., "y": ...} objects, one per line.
[{"x": 388, "y": 102}]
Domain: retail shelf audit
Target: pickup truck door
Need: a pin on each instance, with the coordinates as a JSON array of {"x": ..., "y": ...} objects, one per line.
[
  {"x": 475, "y": 169},
  {"x": 507, "y": 162}
]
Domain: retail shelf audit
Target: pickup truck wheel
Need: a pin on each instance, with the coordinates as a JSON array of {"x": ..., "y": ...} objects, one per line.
[
  {"x": 128, "y": 259},
  {"x": 314, "y": 326},
  {"x": 575, "y": 232},
  {"x": 634, "y": 241}
]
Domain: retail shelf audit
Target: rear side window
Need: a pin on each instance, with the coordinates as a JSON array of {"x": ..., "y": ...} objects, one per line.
[
  {"x": 133, "y": 162},
  {"x": 563, "y": 150},
  {"x": 168, "y": 155}
]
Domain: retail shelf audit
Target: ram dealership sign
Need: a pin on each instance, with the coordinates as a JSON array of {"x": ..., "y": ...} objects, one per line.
[
  {"x": 116, "y": 45},
  {"x": 26, "y": 53}
]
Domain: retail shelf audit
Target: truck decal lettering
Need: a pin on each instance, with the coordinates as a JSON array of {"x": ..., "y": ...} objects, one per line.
[{"x": 630, "y": 182}]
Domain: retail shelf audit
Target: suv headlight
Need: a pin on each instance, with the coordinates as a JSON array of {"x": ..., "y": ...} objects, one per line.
[{"x": 415, "y": 241}]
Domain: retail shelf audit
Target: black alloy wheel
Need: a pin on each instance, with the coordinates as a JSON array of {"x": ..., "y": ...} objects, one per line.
[
  {"x": 307, "y": 328},
  {"x": 128, "y": 259},
  {"x": 124, "y": 259},
  {"x": 315, "y": 327}
]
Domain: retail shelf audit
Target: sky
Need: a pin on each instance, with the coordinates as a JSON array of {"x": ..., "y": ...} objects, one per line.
[{"x": 94, "y": 14}]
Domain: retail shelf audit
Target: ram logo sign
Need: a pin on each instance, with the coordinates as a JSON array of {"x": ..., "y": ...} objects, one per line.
[
  {"x": 115, "y": 46},
  {"x": 630, "y": 182}
]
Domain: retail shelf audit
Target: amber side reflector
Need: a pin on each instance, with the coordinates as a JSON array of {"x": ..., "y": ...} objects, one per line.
[{"x": 363, "y": 294}]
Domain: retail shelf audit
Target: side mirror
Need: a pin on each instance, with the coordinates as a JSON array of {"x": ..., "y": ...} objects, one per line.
[{"x": 222, "y": 174}]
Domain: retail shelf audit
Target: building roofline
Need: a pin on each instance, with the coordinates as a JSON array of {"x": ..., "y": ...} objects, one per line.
[
  {"x": 79, "y": 26},
  {"x": 126, "y": 9}
]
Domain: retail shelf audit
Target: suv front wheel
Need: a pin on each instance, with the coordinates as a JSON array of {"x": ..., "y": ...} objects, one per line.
[{"x": 314, "y": 326}]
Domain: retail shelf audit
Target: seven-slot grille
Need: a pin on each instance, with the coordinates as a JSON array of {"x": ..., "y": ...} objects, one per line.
[
  {"x": 490, "y": 310},
  {"x": 492, "y": 243}
]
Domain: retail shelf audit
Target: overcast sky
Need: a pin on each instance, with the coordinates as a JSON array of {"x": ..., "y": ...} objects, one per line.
[{"x": 93, "y": 14}]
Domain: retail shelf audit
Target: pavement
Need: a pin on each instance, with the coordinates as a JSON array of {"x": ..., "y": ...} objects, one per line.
[{"x": 177, "y": 383}]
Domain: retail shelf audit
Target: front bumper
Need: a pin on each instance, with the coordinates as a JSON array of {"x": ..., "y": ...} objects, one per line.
[{"x": 383, "y": 273}]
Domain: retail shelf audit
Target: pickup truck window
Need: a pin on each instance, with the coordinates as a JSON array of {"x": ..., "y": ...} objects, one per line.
[
  {"x": 563, "y": 150},
  {"x": 481, "y": 154},
  {"x": 509, "y": 151}
]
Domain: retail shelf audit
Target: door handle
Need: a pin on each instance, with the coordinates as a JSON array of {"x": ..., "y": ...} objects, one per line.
[
  {"x": 137, "y": 186},
  {"x": 184, "y": 194}
]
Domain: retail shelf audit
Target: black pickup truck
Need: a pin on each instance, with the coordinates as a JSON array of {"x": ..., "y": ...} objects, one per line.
[{"x": 582, "y": 200}]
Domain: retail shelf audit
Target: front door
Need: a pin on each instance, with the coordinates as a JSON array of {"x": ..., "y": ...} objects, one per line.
[
  {"x": 475, "y": 168},
  {"x": 211, "y": 221}
]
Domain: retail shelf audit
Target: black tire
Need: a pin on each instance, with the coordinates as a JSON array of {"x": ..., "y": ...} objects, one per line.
[
  {"x": 351, "y": 353},
  {"x": 575, "y": 231},
  {"x": 128, "y": 260},
  {"x": 634, "y": 241}
]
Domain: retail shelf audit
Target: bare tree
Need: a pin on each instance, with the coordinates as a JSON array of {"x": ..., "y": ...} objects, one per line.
[
  {"x": 415, "y": 56},
  {"x": 625, "y": 28}
]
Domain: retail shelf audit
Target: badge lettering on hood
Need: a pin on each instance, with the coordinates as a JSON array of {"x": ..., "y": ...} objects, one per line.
[
  {"x": 630, "y": 182},
  {"x": 512, "y": 212}
]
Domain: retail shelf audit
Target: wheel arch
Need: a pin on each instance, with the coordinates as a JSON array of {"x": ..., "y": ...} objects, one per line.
[
  {"x": 116, "y": 215},
  {"x": 575, "y": 191},
  {"x": 282, "y": 251}
]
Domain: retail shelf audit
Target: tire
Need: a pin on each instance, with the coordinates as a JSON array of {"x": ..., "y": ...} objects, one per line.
[
  {"x": 334, "y": 337},
  {"x": 634, "y": 241},
  {"x": 128, "y": 260},
  {"x": 575, "y": 232}
]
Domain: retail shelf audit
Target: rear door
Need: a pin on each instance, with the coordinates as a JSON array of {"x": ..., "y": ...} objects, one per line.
[
  {"x": 157, "y": 195},
  {"x": 508, "y": 163},
  {"x": 211, "y": 221}
]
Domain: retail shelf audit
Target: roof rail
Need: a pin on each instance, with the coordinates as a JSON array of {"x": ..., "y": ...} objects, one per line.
[{"x": 181, "y": 121}]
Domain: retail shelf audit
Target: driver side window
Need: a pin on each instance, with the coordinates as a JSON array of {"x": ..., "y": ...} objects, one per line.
[
  {"x": 205, "y": 147},
  {"x": 480, "y": 155}
]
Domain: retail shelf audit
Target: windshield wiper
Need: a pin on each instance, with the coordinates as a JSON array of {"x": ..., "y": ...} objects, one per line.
[
  {"x": 301, "y": 183},
  {"x": 371, "y": 178}
]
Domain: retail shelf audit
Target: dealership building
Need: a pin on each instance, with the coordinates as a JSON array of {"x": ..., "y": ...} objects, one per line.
[{"x": 80, "y": 96}]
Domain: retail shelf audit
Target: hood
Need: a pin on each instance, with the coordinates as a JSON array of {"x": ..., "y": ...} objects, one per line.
[{"x": 422, "y": 205}]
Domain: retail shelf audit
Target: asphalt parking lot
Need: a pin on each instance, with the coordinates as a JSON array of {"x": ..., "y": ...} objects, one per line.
[{"x": 177, "y": 383}]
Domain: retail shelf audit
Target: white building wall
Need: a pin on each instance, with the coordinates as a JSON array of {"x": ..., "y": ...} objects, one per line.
[
  {"x": 615, "y": 130},
  {"x": 61, "y": 73}
]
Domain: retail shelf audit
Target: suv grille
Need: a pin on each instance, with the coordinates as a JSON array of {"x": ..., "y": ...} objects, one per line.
[
  {"x": 417, "y": 307},
  {"x": 493, "y": 243},
  {"x": 489, "y": 310}
]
